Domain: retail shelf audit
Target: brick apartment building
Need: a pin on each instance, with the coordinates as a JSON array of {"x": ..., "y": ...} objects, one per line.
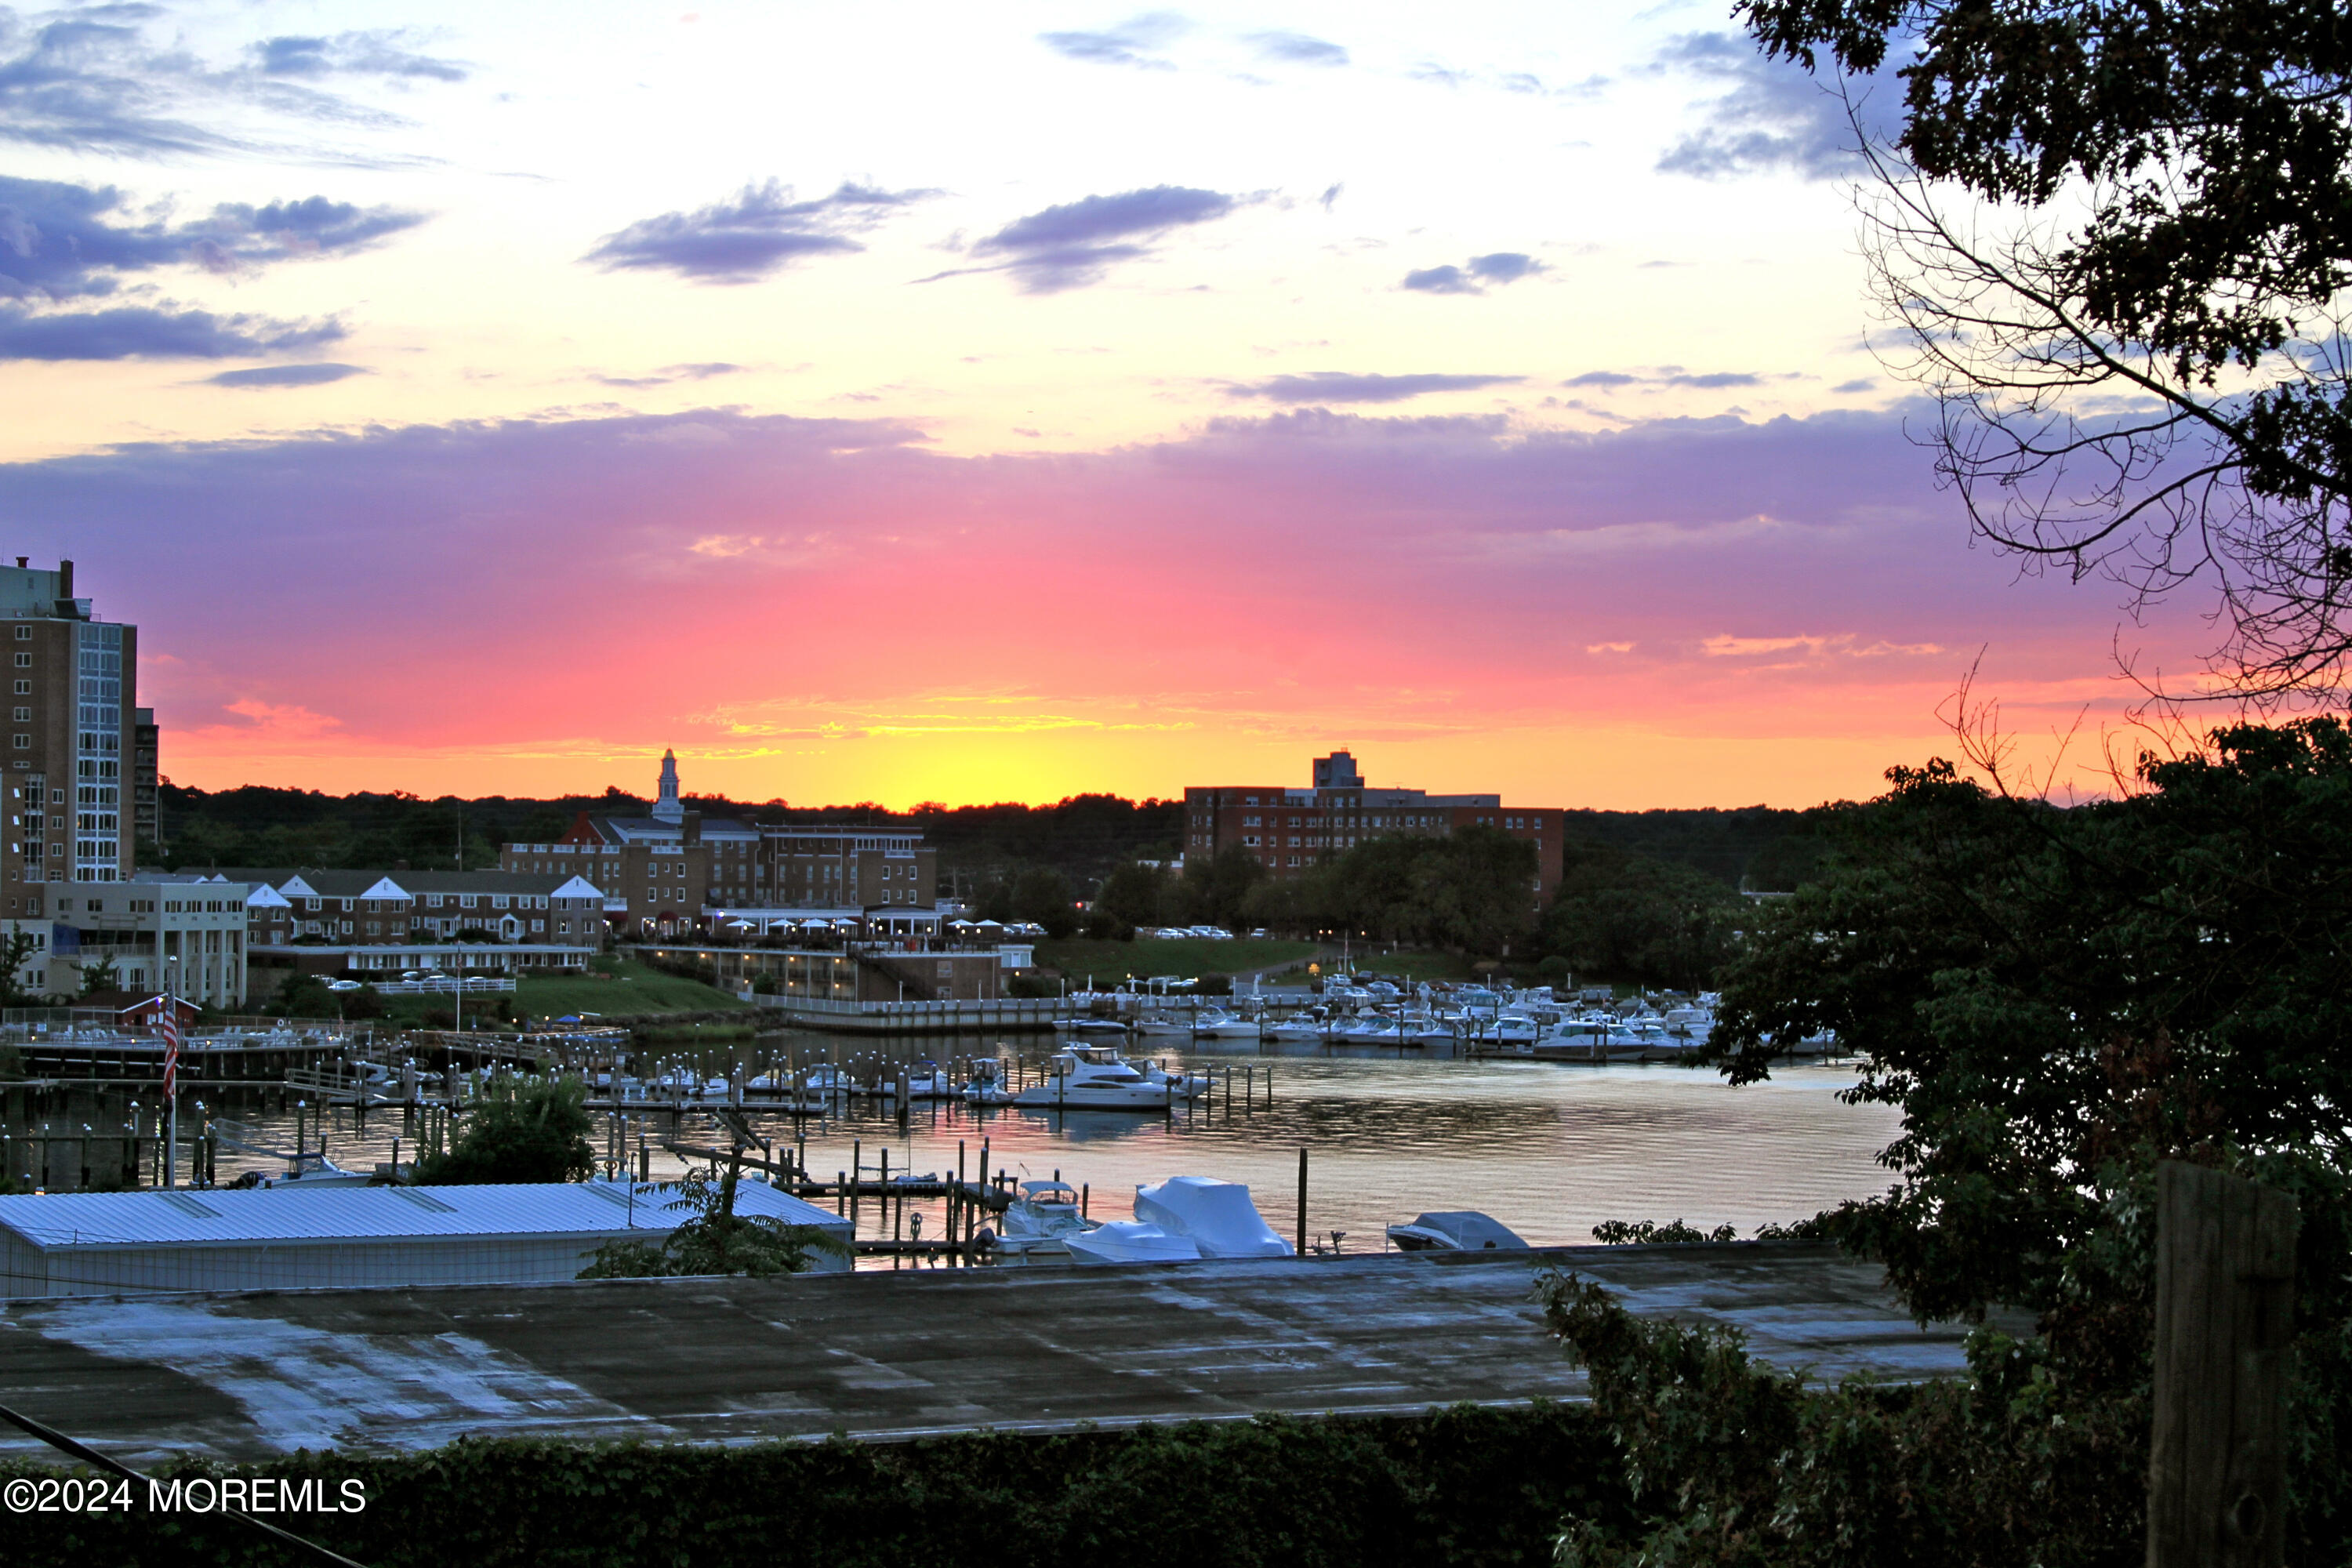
[
  {"x": 73, "y": 681},
  {"x": 406, "y": 907},
  {"x": 1289, "y": 830},
  {"x": 664, "y": 871}
]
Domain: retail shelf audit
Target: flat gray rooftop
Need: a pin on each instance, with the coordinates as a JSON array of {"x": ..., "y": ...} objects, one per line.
[{"x": 891, "y": 1355}]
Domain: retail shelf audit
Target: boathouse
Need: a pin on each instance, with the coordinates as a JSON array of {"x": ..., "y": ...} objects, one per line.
[{"x": 296, "y": 1237}]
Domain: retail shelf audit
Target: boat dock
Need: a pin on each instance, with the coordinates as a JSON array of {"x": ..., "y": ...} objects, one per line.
[{"x": 887, "y": 1355}]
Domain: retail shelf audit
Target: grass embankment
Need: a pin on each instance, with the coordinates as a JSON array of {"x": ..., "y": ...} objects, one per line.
[
  {"x": 1414, "y": 966},
  {"x": 633, "y": 991},
  {"x": 1148, "y": 957}
]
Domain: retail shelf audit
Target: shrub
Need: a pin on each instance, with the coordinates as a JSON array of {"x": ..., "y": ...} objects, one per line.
[{"x": 520, "y": 1130}]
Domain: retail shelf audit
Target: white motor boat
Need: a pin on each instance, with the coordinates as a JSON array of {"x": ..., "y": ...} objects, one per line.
[
  {"x": 1295, "y": 1029},
  {"x": 317, "y": 1171},
  {"x": 1128, "y": 1241},
  {"x": 1223, "y": 1026},
  {"x": 1215, "y": 1217},
  {"x": 924, "y": 1081},
  {"x": 1095, "y": 1078},
  {"x": 1042, "y": 1219},
  {"x": 1591, "y": 1040},
  {"x": 1457, "y": 1230},
  {"x": 1089, "y": 1026},
  {"x": 1165, "y": 1024}
]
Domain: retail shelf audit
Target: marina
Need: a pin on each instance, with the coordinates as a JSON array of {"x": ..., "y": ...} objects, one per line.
[{"x": 1547, "y": 1149}]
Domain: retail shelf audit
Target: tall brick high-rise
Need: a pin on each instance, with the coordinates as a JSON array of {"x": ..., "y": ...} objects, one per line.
[{"x": 73, "y": 680}]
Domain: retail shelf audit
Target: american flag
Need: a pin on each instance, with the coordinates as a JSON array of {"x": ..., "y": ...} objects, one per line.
[{"x": 167, "y": 1018}]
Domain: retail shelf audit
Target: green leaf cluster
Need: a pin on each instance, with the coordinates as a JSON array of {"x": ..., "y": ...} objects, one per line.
[
  {"x": 519, "y": 1129},
  {"x": 1628, "y": 916},
  {"x": 1470, "y": 1488},
  {"x": 1734, "y": 1465},
  {"x": 717, "y": 1240}
]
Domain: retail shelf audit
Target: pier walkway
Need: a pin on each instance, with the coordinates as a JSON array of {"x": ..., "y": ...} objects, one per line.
[{"x": 891, "y": 1355}]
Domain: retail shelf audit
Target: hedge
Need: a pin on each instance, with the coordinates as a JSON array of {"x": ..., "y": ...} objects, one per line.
[{"x": 1469, "y": 1486}]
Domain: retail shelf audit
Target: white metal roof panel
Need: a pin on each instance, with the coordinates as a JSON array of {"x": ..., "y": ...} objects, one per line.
[{"x": 297, "y": 1215}]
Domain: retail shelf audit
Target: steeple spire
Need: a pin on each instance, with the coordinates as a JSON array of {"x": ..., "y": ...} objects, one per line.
[{"x": 667, "y": 807}]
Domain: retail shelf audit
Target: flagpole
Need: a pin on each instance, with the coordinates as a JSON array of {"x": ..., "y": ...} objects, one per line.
[{"x": 170, "y": 1022}]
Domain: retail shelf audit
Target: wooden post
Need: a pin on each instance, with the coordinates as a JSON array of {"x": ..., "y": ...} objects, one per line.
[
  {"x": 1302, "y": 1202},
  {"x": 2224, "y": 1314}
]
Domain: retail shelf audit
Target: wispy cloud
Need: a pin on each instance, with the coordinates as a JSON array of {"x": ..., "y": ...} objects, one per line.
[
  {"x": 1341, "y": 386},
  {"x": 1672, "y": 375},
  {"x": 1297, "y": 48},
  {"x": 670, "y": 374},
  {"x": 89, "y": 78},
  {"x": 1138, "y": 41},
  {"x": 151, "y": 332},
  {"x": 60, "y": 241},
  {"x": 1496, "y": 267},
  {"x": 271, "y": 375},
  {"x": 1077, "y": 242},
  {"x": 1776, "y": 116},
  {"x": 382, "y": 52},
  {"x": 744, "y": 241}
]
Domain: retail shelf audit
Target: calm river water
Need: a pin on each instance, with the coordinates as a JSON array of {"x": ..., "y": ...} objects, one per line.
[{"x": 1548, "y": 1149}]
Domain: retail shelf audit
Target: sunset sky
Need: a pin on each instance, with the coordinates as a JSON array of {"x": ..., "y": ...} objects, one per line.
[{"x": 985, "y": 402}]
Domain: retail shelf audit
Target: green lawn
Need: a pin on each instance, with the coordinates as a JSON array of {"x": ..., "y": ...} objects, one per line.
[
  {"x": 1411, "y": 964},
  {"x": 633, "y": 990},
  {"x": 1148, "y": 957}
]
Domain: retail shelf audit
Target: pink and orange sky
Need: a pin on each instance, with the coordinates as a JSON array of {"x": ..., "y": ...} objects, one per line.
[{"x": 956, "y": 403}]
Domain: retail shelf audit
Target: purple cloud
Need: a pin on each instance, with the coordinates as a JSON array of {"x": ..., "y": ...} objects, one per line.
[
  {"x": 147, "y": 333},
  {"x": 1777, "y": 115},
  {"x": 1075, "y": 244},
  {"x": 1298, "y": 49},
  {"x": 1498, "y": 266},
  {"x": 1340, "y": 387},
  {"x": 271, "y": 375},
  {"x": 60, "y": 241},
  {"x": 1134, "y": 42},
  {"x": 742, "y": 241}
]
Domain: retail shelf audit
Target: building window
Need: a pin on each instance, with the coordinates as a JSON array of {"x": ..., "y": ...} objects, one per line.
[
  {"x": 24, "y": 743},
  {"x": 24, "y": 661}
]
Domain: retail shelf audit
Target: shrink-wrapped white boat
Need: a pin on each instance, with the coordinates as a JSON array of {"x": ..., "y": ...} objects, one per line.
[
  {"x": 1128, "y": 1241},
  {"x": 1215, "y": 1217}
]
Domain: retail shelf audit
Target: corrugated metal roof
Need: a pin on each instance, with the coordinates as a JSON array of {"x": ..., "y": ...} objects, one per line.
[{"x": 296, "y": 1214}]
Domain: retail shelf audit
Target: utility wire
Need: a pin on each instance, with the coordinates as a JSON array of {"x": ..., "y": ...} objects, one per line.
[{"x": 89, "y": 1456}]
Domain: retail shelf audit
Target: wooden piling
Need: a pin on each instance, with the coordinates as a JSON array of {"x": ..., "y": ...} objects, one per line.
[
  {"x": 1302, "y": 1202},
  {"x": 2224, "y": 1316}
]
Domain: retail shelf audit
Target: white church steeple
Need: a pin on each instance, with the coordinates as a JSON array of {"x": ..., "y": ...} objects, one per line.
[{"x": 667, "y": 808}]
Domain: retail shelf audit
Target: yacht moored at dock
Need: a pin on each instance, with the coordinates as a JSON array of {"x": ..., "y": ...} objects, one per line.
[{"x": 1095, "y": 1078}]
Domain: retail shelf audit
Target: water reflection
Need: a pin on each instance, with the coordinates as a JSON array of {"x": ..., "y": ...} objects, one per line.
[{"x": 1548, "y": 1149}]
